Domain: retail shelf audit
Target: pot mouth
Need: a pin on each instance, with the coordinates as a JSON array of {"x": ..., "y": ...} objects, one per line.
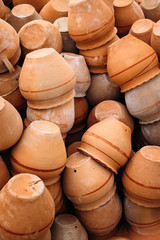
[
  {"x": 150, "y": 5},
  {"x": 122, "y": 3},
  {"x": 66, "y": 221},
  {"x": 25, "y": 187},
  {"x": 23, "y": 11},
  {"x": 44, "y": 127},
  {"x": 151, "y": 153}
]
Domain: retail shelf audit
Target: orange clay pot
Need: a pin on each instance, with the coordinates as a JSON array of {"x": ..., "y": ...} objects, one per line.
[
  {"x": 54, "y": 9},
  {"x": 90, "y": 23},
  {"x": 142, "y": 29},
  {"x": 47, "y": 85},
  {"x": 139, "y": 62},
  {"x": 83, "y": 78},
  {"x": 39, "y": 34},
  {"x": 81, "y": 111},
  {"x": 4, "y": 173},
  {"x": 63, "y": 116},
  {"x": 151, "y": 9},
  {"x": 40, "y": 151},
  {"x": 148, "y": 109},
  {"x": 96, "y": 58},
  {"x": 72, "y": 148},
  {"x": 140, "y": 177},
  {"x": 155, "y": 38},
  {"x": 104, "y": 219},
  {"x": 110, "y": 108},
  {"x": 27, "y": 193},
  {"x": 102, "y": 88},
  {"x": 22, "y": 14},
  {"x": 102, "y": 142},
  {"x": 143, "y": 220},
  {"x": 98, "y": 180},
  {"x": 9, "y": 53},
  {"x": 68, "y": 44},
  {"x": 11, "y": 125},
  {"x": 126, "y": 13},
  {"x": 2, "y": 10},
  {"x": 37, "y": 4},
  {"x": 67, "y": 226}
]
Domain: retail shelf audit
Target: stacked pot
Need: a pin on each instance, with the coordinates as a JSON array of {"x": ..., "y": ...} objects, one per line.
[{"x": 141, "y": 187}]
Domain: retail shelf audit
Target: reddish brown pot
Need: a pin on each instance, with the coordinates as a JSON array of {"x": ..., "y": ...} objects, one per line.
[
  {"x": 4, "y": 173},
  {"x": 141, "y": 179}
]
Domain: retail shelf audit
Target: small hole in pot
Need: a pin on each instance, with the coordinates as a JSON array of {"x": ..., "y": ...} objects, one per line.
[
  {"x": 75, "y": 171},
  {"x": 75, "y": 226},
  {"x": 17, "y": 79}
]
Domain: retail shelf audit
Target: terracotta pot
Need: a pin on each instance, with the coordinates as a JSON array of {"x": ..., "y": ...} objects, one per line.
[
  {"x": 68, "y": 44},
  {"x": 126, "y": 13},
  {"x": 143, "y": 220},
  {"x": 139, "y": 62},
  {"x": 54, "y": 9},
  {"x": 39, "y": 34},
  {"x": 142, "y": 29},
  {"x": 4, "y": 173},
  {"x": 67, "y": 226},
  {"x": 63, "y": 116},
  {"x": 151, "y": 9},
  {"x": 102, "y": 142},
  {"x": 75, "y": 135},
  {"x": 155, "y": 38},
  {"x": 104, "y": 219},
  {"x": 2, "y": 10},
  {"x": 9, "y": 53},
  {"x": 109, "y": 4},
  {"x": 102, "y": 88},
  {"x": 37, "y": 4},
  {"x": 140, "y": 177},
  {"x": 22, "y": 14},
  {"x": 11, "y": 125},
  {"x": 81, "y": 111},
  {"x": 72, "y": 148},
  {"x": 83, "y": 78},
  {"x": 98, "y": 180},
  {"x": 47, "y": 236},
  {"x": 41, "y": 140},
  {"x": 98, "y": 203},
  {"x": 96, "y": 58},
  {"x": 110, "y": 108},
  {"x": 135, "y": 236},
  {"x": 150, "y": 132},
  {"x": 57, "y": 90},
  {"x": 90, "y": 23},
  {"x": 27, "y": 193},
  {"x": 146, "y": 103}
]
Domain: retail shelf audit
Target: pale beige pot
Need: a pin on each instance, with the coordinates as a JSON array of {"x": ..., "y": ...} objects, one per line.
[
  {"x": 31, "y": 205},
  {"x": 151, "y": 9},
  {"x": 41, "y": 150}
]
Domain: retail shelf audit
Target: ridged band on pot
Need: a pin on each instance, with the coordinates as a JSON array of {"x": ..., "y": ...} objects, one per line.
[
  {"x": 131, "y": 62},
  {"x": 108, "y": 142}
]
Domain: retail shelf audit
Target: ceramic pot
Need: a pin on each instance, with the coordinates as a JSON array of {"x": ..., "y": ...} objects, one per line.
[
  {"x": 155, "y": 38},
  {"x": 139, "y": 62},
  {"x": 27, "y": 193},
  {"x": 41, "y": 150},
  {"x": 57, "y": 89},
  {"x": 81, "y": 111},
  {"x": 47, "y": 236},
  {"x": 150, "y": 132},
  {"x": 140, "y": 177},
  {"x": 67, "y": 226},
  {"x": 142, "y": 29},
  {"x": 110, "y": 108},
  {"x": 90, "y": 23},
  {"x": 126, "y": 13},
  {"x": 9, "y": 53},
  {"x": 37, "y": 4},
  {"x": 11, "y": 125},
  {"x": 4, "y": 173},
  {"x": 83, "y": 78},
  {"x": 72, "y": 148},
  {"x": 39, "y": 34},
  {"x": 2, "y": 10},
  {"x": 144, "y": 104},
  {"x": 151, "y": 9},
  {"x": 54, "y": 9},
  {"x": 143, "y": 220},
  {"x": 98, "y": 203},
  {"x": 22, "y": 14},
  {"x": 102, "y": 88},
  {"x": 80, "y": 167},
  {"x": 104, "y": 219},
  {"x": 68, "y": 44},
  {"x": 101, "y": 142},
  {"x": 63, "y": 116},
  {"x": 96, "y": 58},
  {"x": 135, "y": 236},
  {"x": 109, "y": 4}
]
